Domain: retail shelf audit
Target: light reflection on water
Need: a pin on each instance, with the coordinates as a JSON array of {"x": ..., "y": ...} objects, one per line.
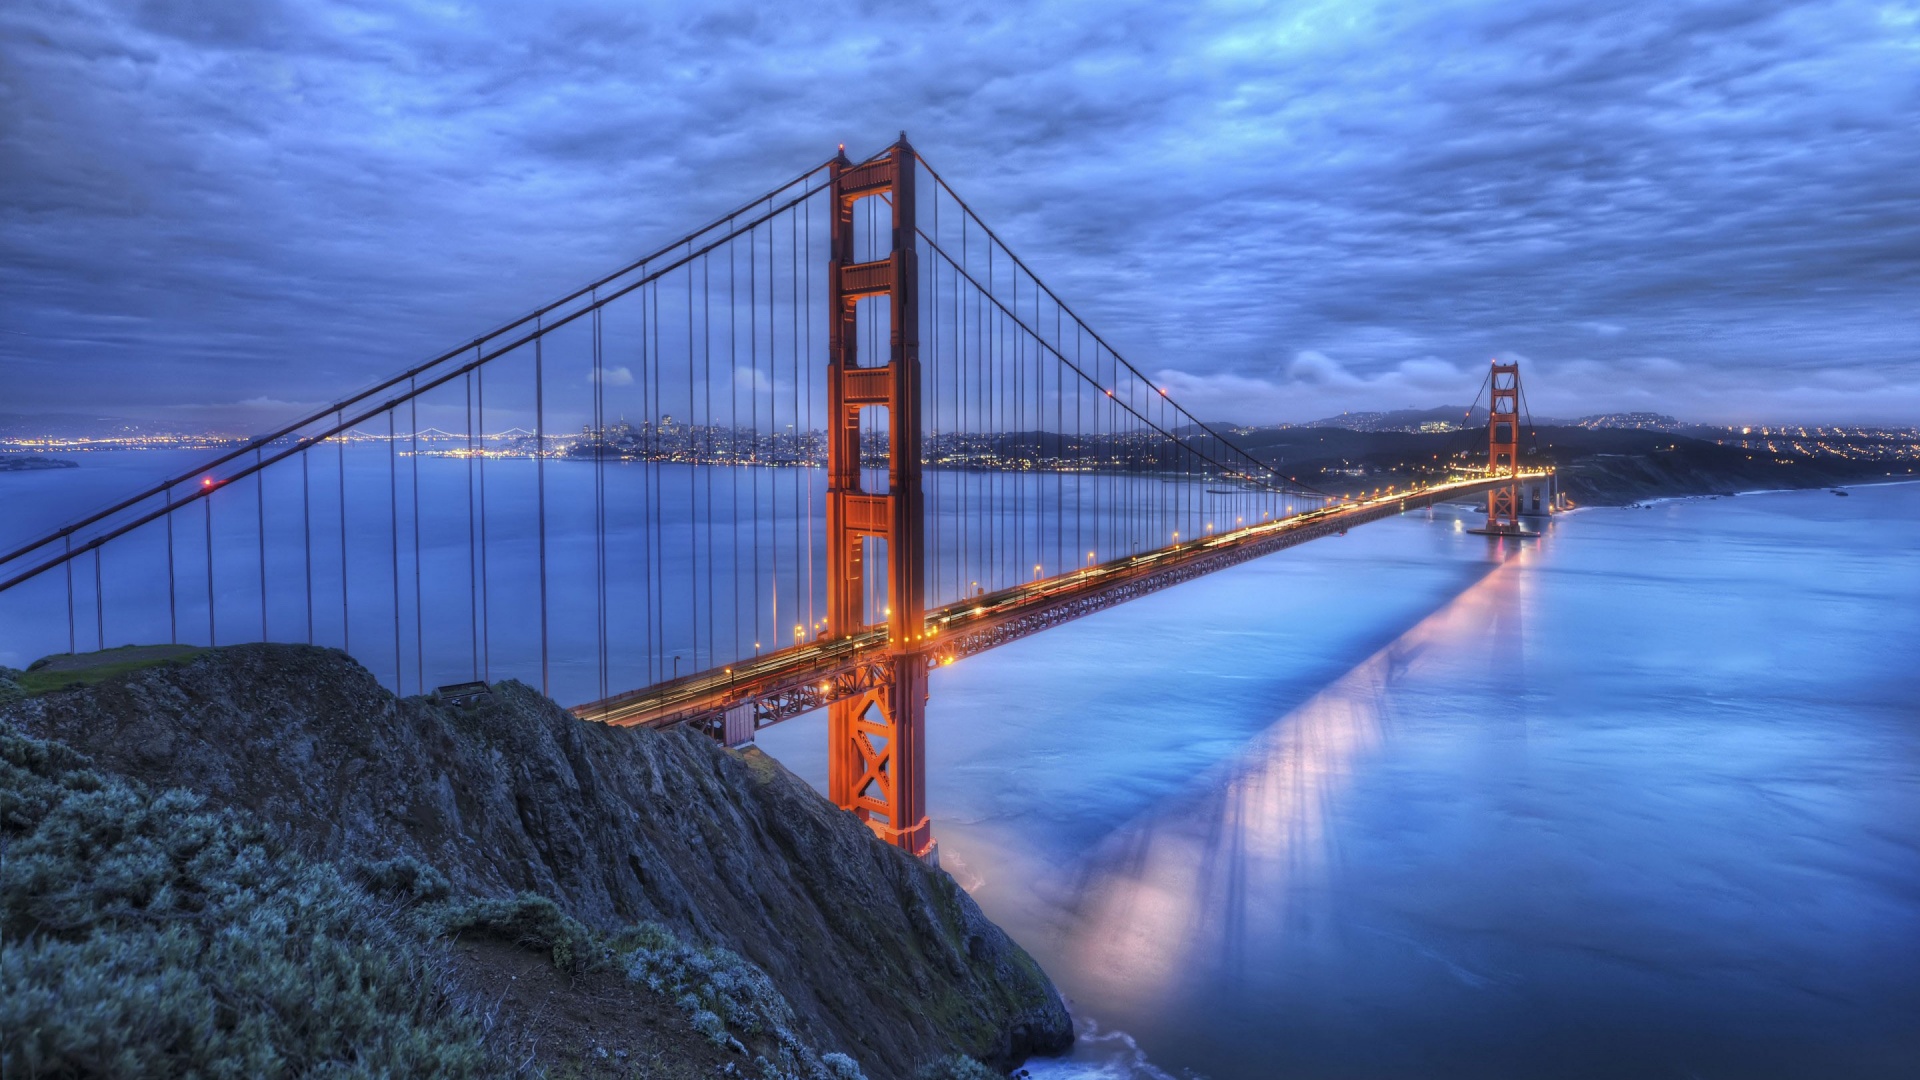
[
  {"x": 1186, "y": 884},
  {"x": 1644, "y": 800}
]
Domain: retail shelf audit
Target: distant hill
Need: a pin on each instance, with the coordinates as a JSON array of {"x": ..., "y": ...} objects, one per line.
[
  {"x": 87, "y": 426},
  {"x": 1602, "y": 464},
  {"x": 1452, "y": 416},
  {"x": 1638, "y": 421}
]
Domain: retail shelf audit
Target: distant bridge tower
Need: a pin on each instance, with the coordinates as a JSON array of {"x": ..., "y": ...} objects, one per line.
[
  {"x": 1503, "y": 448},
  {"x": 876, "y": 759}
]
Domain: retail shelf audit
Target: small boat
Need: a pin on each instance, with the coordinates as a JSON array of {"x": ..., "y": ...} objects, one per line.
[{"x": 1842, "y": 494}]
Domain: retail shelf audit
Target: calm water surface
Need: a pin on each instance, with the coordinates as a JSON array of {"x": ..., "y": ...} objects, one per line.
[{"x": 1640, "y": 800}]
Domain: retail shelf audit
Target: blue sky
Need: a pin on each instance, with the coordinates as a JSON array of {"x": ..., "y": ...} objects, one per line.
[{"x": 230, "y": 209}]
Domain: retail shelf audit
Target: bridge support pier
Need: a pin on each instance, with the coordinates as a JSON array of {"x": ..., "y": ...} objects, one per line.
[
  {"x": 876, "y": 757},
  {"x": 878, "y": 763}
]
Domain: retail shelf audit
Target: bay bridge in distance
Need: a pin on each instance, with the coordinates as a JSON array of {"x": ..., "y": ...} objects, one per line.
[{"x": 898, "y": 448}]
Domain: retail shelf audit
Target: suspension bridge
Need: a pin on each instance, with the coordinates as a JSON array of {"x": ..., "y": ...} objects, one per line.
[{"x": 866, "y": 440}]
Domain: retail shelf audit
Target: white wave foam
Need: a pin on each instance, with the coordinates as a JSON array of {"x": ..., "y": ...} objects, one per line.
[{"x": 1101, "y": 1055}]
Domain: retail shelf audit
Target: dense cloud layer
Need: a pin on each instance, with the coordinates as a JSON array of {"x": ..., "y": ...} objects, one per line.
[{"x": 1703, "y": 208}]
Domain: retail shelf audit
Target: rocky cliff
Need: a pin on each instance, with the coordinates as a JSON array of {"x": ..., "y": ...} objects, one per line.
[{"x": 879, "y": 956}]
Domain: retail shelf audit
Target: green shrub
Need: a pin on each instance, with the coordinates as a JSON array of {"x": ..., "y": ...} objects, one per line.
[
  {"x": 841, "y": 1067},
  {"x": 707, "y": 979},
  {"x": 149, "y": 936},
  {"x": 526, "y": 920},
  {"x": 404, "y": 878},
  {"x": 724, "y": 995},
  {"x": 957, "y": 1067}
]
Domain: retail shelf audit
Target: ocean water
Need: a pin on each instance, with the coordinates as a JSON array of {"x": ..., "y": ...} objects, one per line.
[{"x": 1641, "y": 798}]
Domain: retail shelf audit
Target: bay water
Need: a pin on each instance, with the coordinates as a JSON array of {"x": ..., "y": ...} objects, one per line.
[{"x": 1638, "y": 798}]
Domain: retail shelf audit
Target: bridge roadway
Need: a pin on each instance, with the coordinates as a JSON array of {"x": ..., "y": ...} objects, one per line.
[{"x": 783, "y": 684}]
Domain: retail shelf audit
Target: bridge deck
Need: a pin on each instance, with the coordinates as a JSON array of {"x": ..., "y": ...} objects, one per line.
[{"x": 802, "y": 678}]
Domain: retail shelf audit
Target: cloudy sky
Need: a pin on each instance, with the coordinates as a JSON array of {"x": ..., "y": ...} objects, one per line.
[{"x": 228, "y": 208}]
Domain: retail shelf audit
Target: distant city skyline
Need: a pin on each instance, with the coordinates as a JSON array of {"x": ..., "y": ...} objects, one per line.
[{"x": 225, "y": 215}]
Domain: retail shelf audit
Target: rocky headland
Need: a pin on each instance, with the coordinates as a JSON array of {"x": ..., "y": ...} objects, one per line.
[{"x": 558, "y": 897}]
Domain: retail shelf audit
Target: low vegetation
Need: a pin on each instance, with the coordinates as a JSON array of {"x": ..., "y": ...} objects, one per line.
[
  {"x": 149, "y": 935},
  {"x": 67, "y": 670}
]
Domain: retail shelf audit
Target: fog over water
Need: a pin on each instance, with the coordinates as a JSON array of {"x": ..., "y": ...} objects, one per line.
[{"x": 1642, "y": 799}]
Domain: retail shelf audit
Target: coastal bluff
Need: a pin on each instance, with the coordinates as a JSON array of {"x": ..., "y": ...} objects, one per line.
[{"x": 881, "y": 958}]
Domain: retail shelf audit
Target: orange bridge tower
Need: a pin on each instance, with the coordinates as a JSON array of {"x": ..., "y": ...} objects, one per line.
[
  {"x": 876, "y": 759},
  {"x": 1503, "y": 449}
]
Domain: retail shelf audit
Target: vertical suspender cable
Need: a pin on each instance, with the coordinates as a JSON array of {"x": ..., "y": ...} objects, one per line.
[
  {"x": 212, "y": 638},
  {"x": 772, "y": 433},
  {"x": 99, "y": 598},
  {"x": 658, "y": 501},
  {"x": 173, "y": 610},
  {"x": 473, "y": 586},
  {"x": 419, "y": 608},
  {"x": 966, "y": 420},
  {"x": 393, "y": 540},
  {"x": 68, "y": 563},
  {"x": 260, "y": 524},
  {"x": 707, "y": 456},
  {"x": 346, "y": 622},
  {"x": 733, "y": 438},
  {"x": 486, "y": 613},
  {"x": 650, "y": 472},
  {"x": 306, "y": 537},
  {"x": 806, "y": 430},
  {"x": 540, "y": 490},
  {"x": 995, "y": 510},
  {"x": 689, "y": 453},
  {"x": 753, "y": 388},
  {"x": 599, "y": 501},
  {"x": 793, "y": 288}
]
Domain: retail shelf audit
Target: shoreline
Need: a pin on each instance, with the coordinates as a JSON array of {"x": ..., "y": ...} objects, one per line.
[{"x": 1700, "y": 496}]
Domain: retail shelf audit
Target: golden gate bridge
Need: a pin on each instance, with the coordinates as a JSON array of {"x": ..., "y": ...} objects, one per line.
[{"x": 898, "y": 448}]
